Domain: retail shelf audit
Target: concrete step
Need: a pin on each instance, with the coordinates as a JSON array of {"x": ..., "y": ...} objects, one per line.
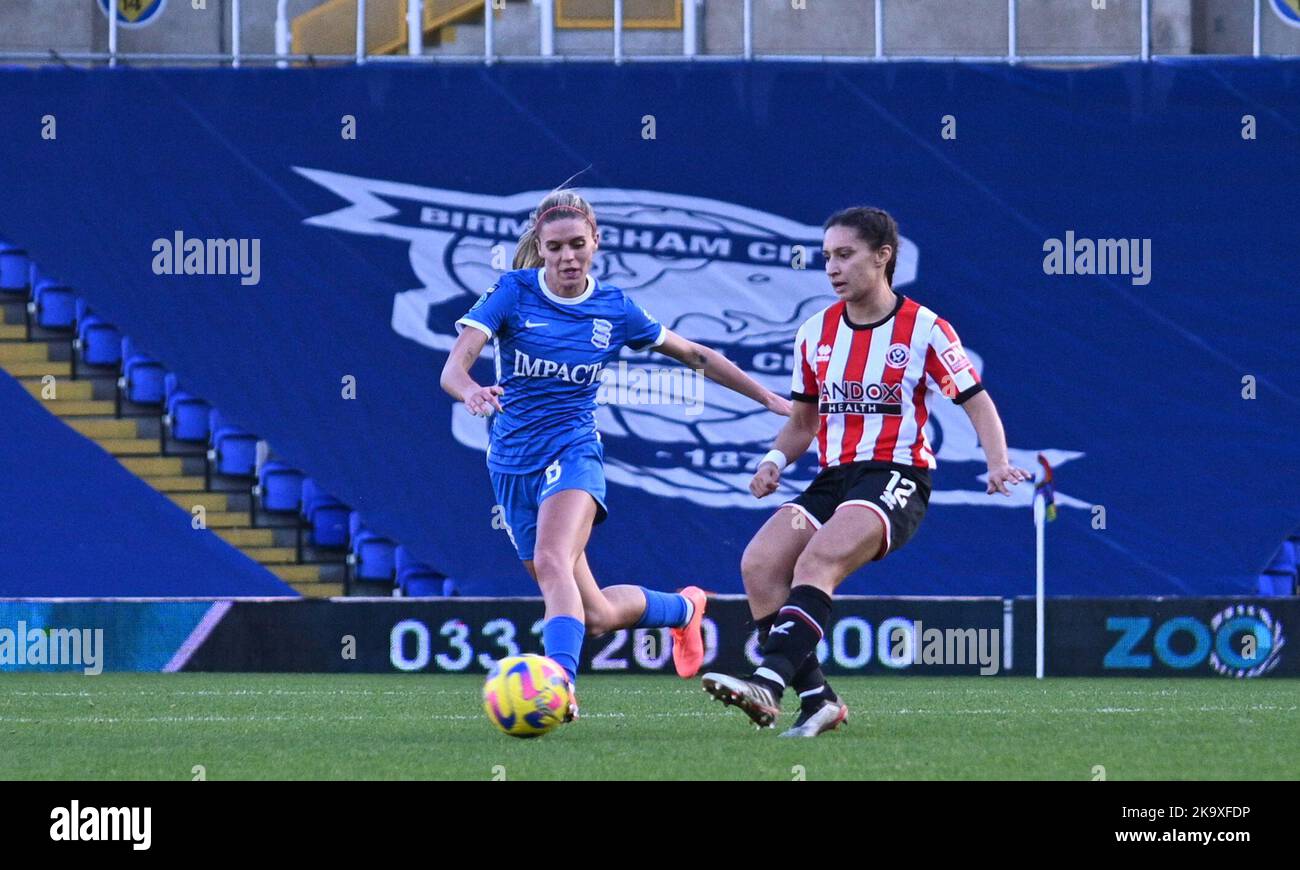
[
  {"x": 248, "y": 537},
  {"x": 297, "y": 573},
  {"x": 212, "y": 501},
  {"x": 36, "y": 368},
  {"x": 129, "y": 446},
  {"x": 64, "y": 390},
  {"x": 159, "y": 465},
  {"x": 270, "y": 555},
  {"x": 23, "y": 350},
  {"x": 176, "y": 483},
  {"x": 318, "y": 590},
  {"x": 221, "y": 520},
  {"x": 104, "y": 428},
  {"x": 81, "y": 409}
]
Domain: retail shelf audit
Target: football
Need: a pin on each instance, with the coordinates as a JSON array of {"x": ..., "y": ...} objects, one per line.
[{"x": 526, "y": 696}]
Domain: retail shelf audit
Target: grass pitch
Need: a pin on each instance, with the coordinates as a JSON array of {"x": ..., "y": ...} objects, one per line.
[{"x": 289, "y": 726}]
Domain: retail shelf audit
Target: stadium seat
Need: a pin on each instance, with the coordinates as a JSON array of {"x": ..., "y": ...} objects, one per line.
[
  {"x": 142, "y": 376},
  {"x": 53, "y": 306},
  {"x": 326, "y": 516},
  {"x": 279, "y": 487},
  {"x": 98, "y": 341},
  {"x": 418, "y": 580},
  {"x": 14, "y": 267},
  {"x": 372, "y": 556},
  {"x": 187, "y": 415},
  {"x": 233, "y": 450}
]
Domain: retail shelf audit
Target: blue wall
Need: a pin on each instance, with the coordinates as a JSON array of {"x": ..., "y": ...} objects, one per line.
[{"x": 1133, "y": 389}]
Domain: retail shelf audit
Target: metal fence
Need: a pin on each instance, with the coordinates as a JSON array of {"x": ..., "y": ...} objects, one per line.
[{"x": 283, "y": 55}]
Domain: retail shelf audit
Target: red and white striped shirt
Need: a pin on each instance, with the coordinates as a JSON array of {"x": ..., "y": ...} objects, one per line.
[{"x": 870, "y": 382}]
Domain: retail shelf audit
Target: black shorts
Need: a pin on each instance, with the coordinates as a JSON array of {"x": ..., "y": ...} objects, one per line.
[{"x": 898, "y": 494}]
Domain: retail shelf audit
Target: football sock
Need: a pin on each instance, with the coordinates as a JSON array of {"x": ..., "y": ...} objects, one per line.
[
  {"x": 808, "y": 679},
  {"x": 810, "y": 700},
  {"x": 793, "y": 635},
  {"x": 562, "y": 640},
  {"x": 665, "y": 609}
]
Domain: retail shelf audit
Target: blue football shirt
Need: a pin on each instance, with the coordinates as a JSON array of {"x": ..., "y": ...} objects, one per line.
[{"x": 550, "y": 352}]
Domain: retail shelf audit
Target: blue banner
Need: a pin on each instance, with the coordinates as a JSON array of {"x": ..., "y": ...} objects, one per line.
[{"x": 1115, "y": 247}]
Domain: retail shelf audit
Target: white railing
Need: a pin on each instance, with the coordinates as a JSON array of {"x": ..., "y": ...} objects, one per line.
[{"x": 690, "y": 42}]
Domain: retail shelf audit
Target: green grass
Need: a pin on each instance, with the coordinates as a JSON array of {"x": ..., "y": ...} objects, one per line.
[{"x": 238, "y": 726}]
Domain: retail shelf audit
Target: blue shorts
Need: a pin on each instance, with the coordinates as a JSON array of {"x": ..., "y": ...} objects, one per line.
[{"x": 520, "y": 496}]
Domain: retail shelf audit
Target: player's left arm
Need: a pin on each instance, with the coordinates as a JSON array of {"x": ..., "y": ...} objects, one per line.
[
  {"x": 988, "y": 425},
  {"x": 720, "y": 370}
]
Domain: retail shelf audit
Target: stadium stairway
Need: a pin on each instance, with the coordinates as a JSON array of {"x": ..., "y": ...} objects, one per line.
[{"x": 43, "y": 365}]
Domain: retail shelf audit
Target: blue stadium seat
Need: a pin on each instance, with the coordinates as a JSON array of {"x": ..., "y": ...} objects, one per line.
[
  {"x": 187, "y": 415},
  {"x": 279, "y": 487},
  {"x": 98, "y": 341},
  {"x": 14, "y": 267},
  {"x": 233, "y": 450},
  {"x": 326, "y": 516},
  {"x": 53, "y": 306},
  {"x": 142, "y": 376},
  {"x": 374, "y": 557},
  {"x": 418, "y": 580}
]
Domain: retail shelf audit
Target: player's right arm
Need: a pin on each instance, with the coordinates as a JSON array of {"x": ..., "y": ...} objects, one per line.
[
  {"x": 800, "y": 427},
  {"x": 793, "y": 440},
  {"x": 484, "y": 321},
  {"x": 481, "y": 401}
]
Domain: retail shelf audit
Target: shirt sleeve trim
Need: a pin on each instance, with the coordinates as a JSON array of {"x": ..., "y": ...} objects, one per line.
[
  {"x": 967, "y": 394},
  {"x": 465, "y": 321}
]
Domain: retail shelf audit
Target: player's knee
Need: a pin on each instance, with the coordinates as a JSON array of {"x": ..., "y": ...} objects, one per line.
[
  {"x": 552, "y": 567},
  {"x": 755, "y": 568}
]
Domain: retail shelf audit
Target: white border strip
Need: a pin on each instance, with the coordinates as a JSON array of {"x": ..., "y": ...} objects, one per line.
[{"x": 200, "y": 633}]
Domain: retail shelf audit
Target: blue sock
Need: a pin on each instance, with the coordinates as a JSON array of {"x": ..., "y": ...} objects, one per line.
[
  {"x": 663, "y": 609},
  {"x": 562, "y": 640}
]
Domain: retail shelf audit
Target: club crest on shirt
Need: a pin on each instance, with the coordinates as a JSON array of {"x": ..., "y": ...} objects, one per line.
[
  {"x": 897, "y": 356},
  {"x": 601, "y": 330}
]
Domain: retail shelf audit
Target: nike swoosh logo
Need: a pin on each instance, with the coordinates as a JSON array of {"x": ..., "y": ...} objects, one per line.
[{"x": 528, "y": 324}]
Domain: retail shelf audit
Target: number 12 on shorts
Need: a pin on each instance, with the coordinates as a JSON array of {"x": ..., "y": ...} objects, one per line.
[{"x": 897, "y": 490}]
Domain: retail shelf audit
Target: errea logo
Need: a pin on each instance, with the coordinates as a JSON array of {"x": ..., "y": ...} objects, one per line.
[
  {"x": 77, "y": 823},
  {"x": 823, "y": 352}
]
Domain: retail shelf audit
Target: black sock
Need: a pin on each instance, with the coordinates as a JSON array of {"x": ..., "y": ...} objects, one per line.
[
  {"x": 792, "y": 636},
  {"x": 808, "y": 680},
  {"x": 810, "y": 683}
]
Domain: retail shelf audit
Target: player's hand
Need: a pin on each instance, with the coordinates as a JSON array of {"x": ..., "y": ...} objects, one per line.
[
  {"x": 1001, "y": 475},
  {"x": 483, "y": 401},
  {"x": 765, "y": 480},
  {"x": 778, "y": 404}
]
